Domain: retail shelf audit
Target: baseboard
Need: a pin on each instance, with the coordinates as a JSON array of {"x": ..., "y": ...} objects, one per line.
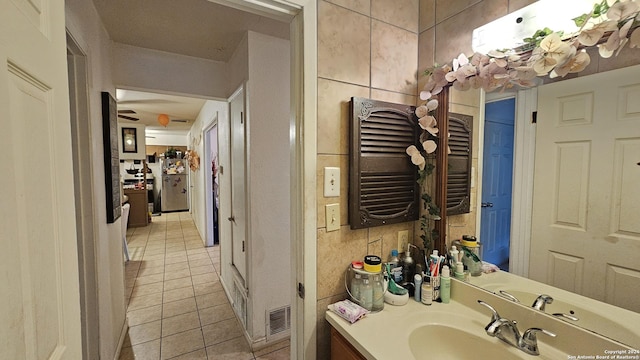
[{"x": 123, "y": 335}]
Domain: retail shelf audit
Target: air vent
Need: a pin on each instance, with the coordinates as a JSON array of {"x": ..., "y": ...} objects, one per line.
[
  {"x": 278, "y": 321},
  {"x": 240, "y": 305},
  {"x": 382, "y": 186}
]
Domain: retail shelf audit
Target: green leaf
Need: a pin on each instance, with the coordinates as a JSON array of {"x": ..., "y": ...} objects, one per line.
[
  {"x": 580, "y": 20},
  {"x": 426, "y": 197}
]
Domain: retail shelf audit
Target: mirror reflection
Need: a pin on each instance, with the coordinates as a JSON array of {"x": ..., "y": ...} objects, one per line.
[{"x": 557, "y": 198}]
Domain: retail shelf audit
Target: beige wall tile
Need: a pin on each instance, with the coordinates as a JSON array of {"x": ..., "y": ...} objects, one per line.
[
  {"x": 519, "y": 4},
  {"x": 323, "y": 328},
  {"x": 426, "y": 55},
  {"x": 361, "y": 6},
  {"x": 334, "y": 114},
  {"x": 453, "y": 35},
  {"x": 427, "y": 14},
  {"x": 343, "y": 51},
  {"x": 401, "y": 13},
  {"x": 374, "y": 247},
  {"x": 341, "y": 161},
  {"x": 336, "y": 250},
  {"x": 394, "y": 58},
  {"x": 389, "y": 236},
  {"x": 468, "y": 98},
  {"x": 393, "y": 97},
  {"x": 448, "y": 8}
]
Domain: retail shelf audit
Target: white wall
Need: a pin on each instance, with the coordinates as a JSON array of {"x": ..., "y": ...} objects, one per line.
[
  {"x": 211, "y": 110},
  {"x": 166, "y": 138},
  {"x": 84, "y": 25},
  {"x": 139, "y": 68},
  {"x": 268, "y": 123}
]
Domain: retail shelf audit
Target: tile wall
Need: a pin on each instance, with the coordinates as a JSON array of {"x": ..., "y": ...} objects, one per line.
[{"x": 366, "y": 48}]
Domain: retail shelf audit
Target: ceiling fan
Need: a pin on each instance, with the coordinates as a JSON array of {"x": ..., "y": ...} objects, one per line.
[{"x": 126, "y": 117}]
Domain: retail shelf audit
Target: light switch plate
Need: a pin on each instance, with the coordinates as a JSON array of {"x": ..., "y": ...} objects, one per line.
[
  {"x": 332, "y": 216},
  {"x": 331, "y": 181}
]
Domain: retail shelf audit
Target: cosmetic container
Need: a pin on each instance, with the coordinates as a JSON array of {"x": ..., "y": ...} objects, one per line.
[
  {"x": 417, "y": 282},
  {"x": 426, "y": 291},
  {"x": 445, "y": 285}
]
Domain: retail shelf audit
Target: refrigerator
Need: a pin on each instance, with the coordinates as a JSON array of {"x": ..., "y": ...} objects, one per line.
[{"x": 174, "y": 195}]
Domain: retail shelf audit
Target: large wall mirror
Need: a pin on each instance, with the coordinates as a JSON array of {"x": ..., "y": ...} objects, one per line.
[{"x": 577, "y": 197}]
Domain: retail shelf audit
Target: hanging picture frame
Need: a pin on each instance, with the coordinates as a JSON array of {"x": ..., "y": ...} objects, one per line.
[
  {"x": 129, "y": 140},
  {"x": 111, "y": 157}
]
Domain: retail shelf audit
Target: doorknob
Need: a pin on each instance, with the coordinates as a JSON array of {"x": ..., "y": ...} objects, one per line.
[{"x": 486, "y": 204}]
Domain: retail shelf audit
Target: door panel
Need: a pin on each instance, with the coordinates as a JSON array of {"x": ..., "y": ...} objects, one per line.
[
  {"x": 585, "y": 225},
  {"x": 497, "y": 181},
  {"x": 238, "y": 183},
  {"x": 38, "y": 262}
]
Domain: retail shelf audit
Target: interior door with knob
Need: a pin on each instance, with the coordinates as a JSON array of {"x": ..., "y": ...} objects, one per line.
[
  {"x": 238, "y": 218},
  {"x": 39, "y": 290},
  {"x": 497, "y": 178}
]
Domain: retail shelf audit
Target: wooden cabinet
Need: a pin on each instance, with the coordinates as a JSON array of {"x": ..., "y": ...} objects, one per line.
[
  {"x": 341, "y": 349},
  {"x": 138, "y": 214}
]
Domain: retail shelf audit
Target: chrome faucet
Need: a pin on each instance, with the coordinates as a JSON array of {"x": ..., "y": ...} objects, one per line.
[
  {"x": 509, "y": 296},
  {"x": 507, "y": 331},
  {"x": 540, "y": 302}
]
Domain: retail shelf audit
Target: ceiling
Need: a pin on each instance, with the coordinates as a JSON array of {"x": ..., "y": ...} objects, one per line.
[
  {"x": 197, "y": 28},
  {"x": 182, "y": 111}
]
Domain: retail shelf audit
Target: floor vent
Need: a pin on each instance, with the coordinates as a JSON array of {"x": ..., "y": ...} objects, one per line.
[
  {"x": 240, "y": 305},
  {"x": 278, "y": 321}
]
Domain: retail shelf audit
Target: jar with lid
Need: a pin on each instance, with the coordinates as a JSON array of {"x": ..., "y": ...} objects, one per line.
[{"x": 471, "y": 257}]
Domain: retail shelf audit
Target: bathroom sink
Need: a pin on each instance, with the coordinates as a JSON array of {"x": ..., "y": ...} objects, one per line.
[{"x": 445, "y": 342}]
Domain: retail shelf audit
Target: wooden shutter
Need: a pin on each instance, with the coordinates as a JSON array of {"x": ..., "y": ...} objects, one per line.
[
  {"x": 459, "y": 174},
  {"x": 383, "y": 186}
]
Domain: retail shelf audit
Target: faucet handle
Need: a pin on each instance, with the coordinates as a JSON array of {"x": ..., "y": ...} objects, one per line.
[
  {"x": 529, "y": 341},
  {"x": 540, "y": 302},
  {"x": 495, "y": 315}
]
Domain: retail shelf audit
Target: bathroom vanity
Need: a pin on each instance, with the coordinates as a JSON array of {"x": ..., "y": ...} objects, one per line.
[{"x": 457, "y": 331}]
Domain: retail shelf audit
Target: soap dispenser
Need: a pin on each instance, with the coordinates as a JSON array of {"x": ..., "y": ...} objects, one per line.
[{"x": 408, "y": 265}]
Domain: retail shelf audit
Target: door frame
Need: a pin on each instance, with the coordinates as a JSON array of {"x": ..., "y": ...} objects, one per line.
[
  {"x": 209, "y": 226},
  {"x": 522, "y": 183},
  {"x": 302, "y": 17},
  {"x": 84, "y": 204}
]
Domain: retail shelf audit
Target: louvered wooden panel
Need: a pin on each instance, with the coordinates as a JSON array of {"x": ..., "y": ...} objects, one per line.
[
  {"x": 382, "y": 185},
  {"x": 459, "y": 175}
]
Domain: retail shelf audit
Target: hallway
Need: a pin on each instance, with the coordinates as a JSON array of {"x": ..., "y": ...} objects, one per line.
[{"x": 177, "y": 308}]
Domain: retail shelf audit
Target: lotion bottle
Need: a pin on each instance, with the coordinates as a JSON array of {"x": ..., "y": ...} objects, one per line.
[
  {"x": 445, "y": 285},
  {"x": 417, "y": 281},
  {"x": 426, "y": 291}
]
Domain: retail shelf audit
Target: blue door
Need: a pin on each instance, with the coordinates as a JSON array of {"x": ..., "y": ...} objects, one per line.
[{"x": 495, "y": 215}]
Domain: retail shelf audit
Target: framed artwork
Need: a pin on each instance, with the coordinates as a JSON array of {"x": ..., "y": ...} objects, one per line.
[
  {"x": 129, "y": 142},
  {"x": 111, "y": 157}
]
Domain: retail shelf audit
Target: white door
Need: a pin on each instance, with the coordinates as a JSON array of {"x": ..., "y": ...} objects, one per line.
[
  {"x": 586, "y": 213},
  {"x": 40, "y": 311},
  {"x": 238, "y": 217}
]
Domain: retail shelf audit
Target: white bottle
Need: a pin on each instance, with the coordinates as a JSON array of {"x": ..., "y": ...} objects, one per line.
[
  {"x": 454, "y": 255},
  {"x": 445, "y": 285},
  {"x": 356, "y": 285},
  {"x": 417, "y": 282},
  {"x": 366, "y": 295},
  {"x": 378, "y": 293},
  {"x": 426, "y": 291}
]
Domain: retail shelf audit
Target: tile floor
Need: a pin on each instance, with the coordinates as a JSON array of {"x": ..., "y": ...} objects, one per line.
[{"x": 177, "y": 308}]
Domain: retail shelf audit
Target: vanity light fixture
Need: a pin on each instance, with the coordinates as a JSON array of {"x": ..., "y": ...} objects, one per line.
[{"x": 509, "y": 31}]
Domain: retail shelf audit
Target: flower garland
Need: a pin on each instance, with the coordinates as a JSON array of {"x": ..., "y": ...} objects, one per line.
[{"x": 610, "y": 25}]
